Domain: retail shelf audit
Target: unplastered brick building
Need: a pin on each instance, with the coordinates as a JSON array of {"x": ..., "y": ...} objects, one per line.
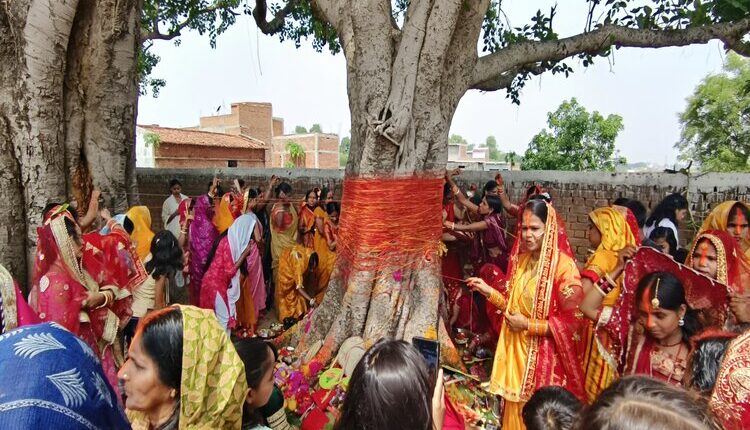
[{"x": 248, "y": 136}]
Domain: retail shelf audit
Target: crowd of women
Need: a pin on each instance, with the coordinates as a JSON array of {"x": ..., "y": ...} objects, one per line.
[
  {"x": 638, "y": 305},
  {"x": 643, "y": 334}
]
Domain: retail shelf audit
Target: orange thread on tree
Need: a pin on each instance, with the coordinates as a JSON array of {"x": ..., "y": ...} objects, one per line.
[{"x": 372, "y": 235}]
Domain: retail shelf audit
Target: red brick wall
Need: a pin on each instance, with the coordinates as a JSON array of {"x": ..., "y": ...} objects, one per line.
[
  {"x": 278, "y": 127},
  {"x": 327, "y": 152},
  {"x": 193, "y": 156}
]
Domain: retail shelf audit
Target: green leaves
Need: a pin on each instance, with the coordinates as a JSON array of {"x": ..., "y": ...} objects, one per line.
[
  {"x": 715, "y": 123},
  {"x": 577, "y": 140}
]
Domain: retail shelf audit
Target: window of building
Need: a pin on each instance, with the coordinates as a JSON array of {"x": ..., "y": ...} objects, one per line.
[{"x": 231, "y": 163}]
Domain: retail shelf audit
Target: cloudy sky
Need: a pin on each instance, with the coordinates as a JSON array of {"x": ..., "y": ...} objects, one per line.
[{"x": 647, "y": 88}]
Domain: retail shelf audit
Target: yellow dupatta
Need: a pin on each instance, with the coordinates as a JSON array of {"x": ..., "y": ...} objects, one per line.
[
  {"x": 142, "y": 234},
  {"x": 223, "y": 218},
  {"x": 599, "y": 366},
  {"x": 282, "y": 239},
  {"x": 213, "y": 386},
  {"x": 718, "y": 220}
]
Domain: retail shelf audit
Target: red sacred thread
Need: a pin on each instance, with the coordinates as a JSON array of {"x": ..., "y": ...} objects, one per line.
[{"x": 393, "y": 222}]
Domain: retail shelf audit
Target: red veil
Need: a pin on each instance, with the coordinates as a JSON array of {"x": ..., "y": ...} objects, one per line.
[
  {"x": 733, "y": 268},
  {"x": 702, "y": 294}
]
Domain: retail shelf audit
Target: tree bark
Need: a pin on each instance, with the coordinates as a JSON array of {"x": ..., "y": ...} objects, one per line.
[
  {"x": 403, "y": 92},
  {"x": 68, "y": 92}
]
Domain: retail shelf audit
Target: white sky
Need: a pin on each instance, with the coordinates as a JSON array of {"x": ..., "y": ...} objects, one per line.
[{"x": 647, "y": 88}]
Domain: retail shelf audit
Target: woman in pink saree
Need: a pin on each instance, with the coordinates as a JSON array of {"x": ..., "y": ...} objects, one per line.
[
  {"x": 64, "y": 290},
  {"x": 14, "y": 311},
  {"x": 201, "y": 239},
  {"x": 222, "y": 286}
]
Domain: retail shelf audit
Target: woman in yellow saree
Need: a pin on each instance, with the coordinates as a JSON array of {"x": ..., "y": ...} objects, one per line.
[
  {"x": 142, "y": 233},
  {"x": 733, "y": 217},
  {"x": 296, "y": 266},
  {"x": 307, "y": 218},
  {"x": 538, "y": 338},
  {"x": 283, "y": 226},
  {"x": 325, "y": 245},
  {"x": 609, "y": 232}
]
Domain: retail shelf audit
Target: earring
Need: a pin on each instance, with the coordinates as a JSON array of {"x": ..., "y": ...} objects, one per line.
[
  {"x": 681, "y": 322},
  {"x": 173, "y": 393}
]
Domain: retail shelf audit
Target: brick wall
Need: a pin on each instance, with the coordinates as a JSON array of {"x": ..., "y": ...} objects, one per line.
[
  {"x": 321, "y": 150},
  {"x": 574, "y": 194},
  {"x": 193, "y": 156},
  {"x": 278, "y": 126}
]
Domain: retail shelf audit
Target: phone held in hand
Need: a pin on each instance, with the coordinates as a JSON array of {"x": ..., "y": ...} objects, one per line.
[{"x": 430, "y": 351}]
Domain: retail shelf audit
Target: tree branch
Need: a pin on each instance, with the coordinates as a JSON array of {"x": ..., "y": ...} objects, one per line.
[
  {"x": 517, "y": 55},
  {"x": 273, "y": 26},
  {"x": 155, "y": 34},
  {"x": 503, "y": 80}
]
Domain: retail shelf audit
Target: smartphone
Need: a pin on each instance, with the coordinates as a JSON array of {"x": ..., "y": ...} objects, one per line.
[{"x": 430, "y": 350}]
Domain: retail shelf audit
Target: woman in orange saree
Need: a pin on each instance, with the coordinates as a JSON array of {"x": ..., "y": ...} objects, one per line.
[
  {"x": 307, "y": 218},
  {"x": 733, "y": 217},
  {"x": 325, "y": 247},
  {"x": 609, "y": 232},
  {"x": 542, "y": 324}
]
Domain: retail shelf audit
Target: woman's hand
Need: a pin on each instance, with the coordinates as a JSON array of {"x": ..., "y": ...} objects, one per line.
[
  {"x": 93, "y": 300},
  {"x": 623, "y": 256},
  {"x": 740, "y": 305},
  {"x": 104, "y": 213},
  {"x": 517, "y": 322},
  {"x": 478, "y": 284},
  {"x": 438, "y": 402}
]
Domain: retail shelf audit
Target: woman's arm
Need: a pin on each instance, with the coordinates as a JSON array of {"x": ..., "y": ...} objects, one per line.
[
  {"x": 593, "y": 298},
  {"x": 475, "y": 226},
  {"x": 160, "y": 295},
  {"x": 91, "y": 211},
  {"x": 471, "y": 207}
]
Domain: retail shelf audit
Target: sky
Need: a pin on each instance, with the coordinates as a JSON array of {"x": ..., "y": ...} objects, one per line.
[{"x": 647, "y": 87}]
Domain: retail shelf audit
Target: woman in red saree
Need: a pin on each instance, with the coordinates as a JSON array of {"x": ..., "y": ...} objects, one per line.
[
  {"x": 79, "y": 292},
  {"x": 542, "y": 324},
  {"x": 731, "y": 396},
  {"x": 716, "y": 254}
]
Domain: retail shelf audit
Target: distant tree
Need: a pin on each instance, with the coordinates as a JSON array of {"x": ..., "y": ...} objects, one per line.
[
  {"x": 510, "y": 158},
  {"x": 491, "y": 143},
  {"x": 344, "y": 150},
  {"x": 577, "y": 140},
  {"x": 470, "y": 147},
  {"x": 300, "y": 130},
  {"x": 296, "y": 154},
  {"x": 716, "y": 121},
  {"x": 455, "y": 138},
  {"x": 316, "y": 129}
]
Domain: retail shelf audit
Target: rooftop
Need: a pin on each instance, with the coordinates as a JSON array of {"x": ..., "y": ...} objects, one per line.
[{"x": 183, "y": 136}]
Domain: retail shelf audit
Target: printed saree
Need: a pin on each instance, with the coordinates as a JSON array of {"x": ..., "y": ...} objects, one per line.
[
  {"x": 292, "y": 267},
  {"x": 60, "y": 286},
  {"x": 201, "y": 240},
  {"x": 62, "y": 386},
  {"x": 730, "y": 400},
  {"x": 213, "y": 386}
]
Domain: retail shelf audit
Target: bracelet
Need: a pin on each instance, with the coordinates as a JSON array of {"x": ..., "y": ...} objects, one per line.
[
  {"x": 497, "y": 300},
  {"x": 456, "y": 190},
  {"x": 606, "y": 284},
  {"x": 538, "y": 327},
  {"x": 598, "y": 286}
]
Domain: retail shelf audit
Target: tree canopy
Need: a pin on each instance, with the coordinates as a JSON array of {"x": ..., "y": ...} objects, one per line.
[
  {"x": 716, "y": 121},
  {"x": 576, "y": 140}
]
